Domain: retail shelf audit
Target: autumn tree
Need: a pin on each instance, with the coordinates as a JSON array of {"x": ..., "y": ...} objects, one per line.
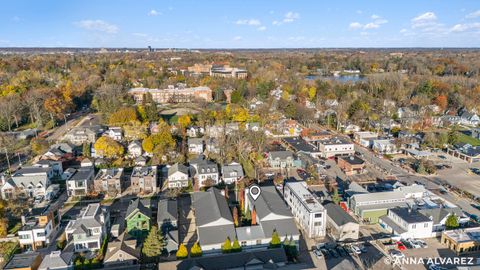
[
  {"x": 108, "y": 147},
  {"x": 227, "y": 246},
  {"x": 196, "y": 250},
  {"x": 182, "y": 252},
  {"x": 441, "y": 101},
  {"x": 123, "y": 116},
  {"x": 452, "y": 222},
  {"x": 275, "y": 242}
]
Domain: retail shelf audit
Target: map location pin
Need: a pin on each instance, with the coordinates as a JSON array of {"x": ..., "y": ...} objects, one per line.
[{"x": 255, "y": 192}]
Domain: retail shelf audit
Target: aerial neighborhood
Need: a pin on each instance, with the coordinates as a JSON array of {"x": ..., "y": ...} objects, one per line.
[{"x": 179, "y": 159}]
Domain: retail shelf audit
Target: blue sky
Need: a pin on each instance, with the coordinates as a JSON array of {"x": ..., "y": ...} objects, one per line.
[{"x": 240, "y": 23}]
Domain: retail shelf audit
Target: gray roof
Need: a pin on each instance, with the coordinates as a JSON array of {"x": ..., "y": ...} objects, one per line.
[
  {"x": 269, "y": 202},
  {"x": 299, "y": 144},
  {"x": 28, "y": 170},
  {"x": 266, "y": 258},
  {"x": 409, "y": 215},
  {"x": 215, "y": 234},
  {"x": 207, "y": 167},
  {"x": 144, "y": 171},
  {"x": 88, "y": 218},
  {"x": 57, "y": 260},
  {"x": 250, "y": 233},
  {"x": 392, "y": 224},
  {"x": 284, "y": 227},
  {"x": 124, "y": 243},
  {"x": 210, "y": 206},
  {"x": 167, "y": 211},
  {"x": 280, "y": 154},
  {"x": 232, "y": 168},
  {"x": 337, "y": 214},
  {"x": 135, "y": 205},
  {"x": 195, "y": 141},
  {"x": 177, "y": 167},
  {"x": 82, "y": 173},
  {"x": 438, "y": 214},
  {"x": 23, "y": 260}
]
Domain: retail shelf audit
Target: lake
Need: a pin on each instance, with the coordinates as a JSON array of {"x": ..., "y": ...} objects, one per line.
[{"x": 341, "y": 78}]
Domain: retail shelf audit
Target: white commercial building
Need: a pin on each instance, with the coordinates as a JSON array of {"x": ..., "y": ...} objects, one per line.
[
  {"x": 407, "y": 223},
  {"x": 307, "y": 210},
  {"x": 336, "y": 146}
]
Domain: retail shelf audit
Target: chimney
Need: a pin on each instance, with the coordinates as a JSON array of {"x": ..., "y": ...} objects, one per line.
[{"x": 254, "y": 217}]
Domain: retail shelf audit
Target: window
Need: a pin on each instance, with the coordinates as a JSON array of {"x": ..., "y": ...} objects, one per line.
[
  {"x": 318, "y": 215},
  {"x": 317, "y": 224},
  {"x": 259, "y": 242},
  {"x": 244, "y": 243}
]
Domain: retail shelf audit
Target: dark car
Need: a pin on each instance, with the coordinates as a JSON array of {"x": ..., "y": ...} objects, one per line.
[{"x": 406, "y": 244}]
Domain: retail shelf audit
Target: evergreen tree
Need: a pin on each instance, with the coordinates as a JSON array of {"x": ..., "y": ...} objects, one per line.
[
  {"x": 182, "y": 252},
  {"x": 275, "y": 242},
  {"x": 154, "y": 244},
  {"x": 86, "y": 151},
  {"x": 291, "y": 249},
  {"x": 335, "y": 197},
  {"x": 236, "y": 246},
  {"x": 227, "y": 246},
  {"x": 451, "y": 222},
  {"x": 196, "y": 250}
]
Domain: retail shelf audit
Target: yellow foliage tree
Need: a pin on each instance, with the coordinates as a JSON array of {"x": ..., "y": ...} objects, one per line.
[
  {"x": 123, "y": 117},
  {"x": 109, "y": 148}
]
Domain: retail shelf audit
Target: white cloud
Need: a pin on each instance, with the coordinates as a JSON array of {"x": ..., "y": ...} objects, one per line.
[
  {"x": 97, "y": 25},
  {"x": 359, "y": 11},
  {"x": 290, "y": 17},
  {"x": 403, "y": 30},
  {"x": 426, "y": 19},
  {"x": 153, "y": 12},
  {"x": 473, "y": 15},
  {"x": 375, "y": 24},
  {"x": 140, "y": 34},
  {"x": 371, "y": 26},
  {"x": 465, "y": 27},
  {"x": 262, "y": 28},
  {"x": 355, "y": 25},
  {"x": 237, "y": 38},
  {"x": 251, "y": 22}
]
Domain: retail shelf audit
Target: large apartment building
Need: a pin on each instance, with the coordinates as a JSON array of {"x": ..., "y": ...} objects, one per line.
[
  {"x": 173, "y": 94},
  {"x": 306, "y": 209},
  {"x": 336, "y": 146}
]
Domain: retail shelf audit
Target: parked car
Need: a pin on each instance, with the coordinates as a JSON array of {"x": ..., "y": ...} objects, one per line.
[
  {"x": 474, "y": 218},
  {"x": 356, "y": 249},
  {"x": 317, "y": 253},
  {"x": 334, "y": 253},
  {"x": 406, "y": 243},
  {"x": 396, "y": 254},
  {"x": 362, "y": 248},
  {"x": 414, "y": 243},
  {"x": 341, "y": 251},
  {"x": 400, "y": 246},
  {"x": 422, "y": 243}
]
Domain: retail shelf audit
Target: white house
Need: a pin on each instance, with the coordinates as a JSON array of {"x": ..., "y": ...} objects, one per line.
[
  {"x": 384, "y": 146},
  {"x": 205, "y": 172},
  {"x": 33, "y": 181},
  {"x": 232, "y": 172},
  {"x": 89, "y": 229},
  {"x": 306, "y": 209},
  {"x": 195, "y": 145},
  {"x": 37, "y": 228},
  {"x": 177, "y": 176},
  {"x": 407, "y": 223},
  {"x": 340, "y": 225},
  {"x": 115, "y": 133},
  {"x": 80, "y": 182},
  {"x": 135, "y": 149}
]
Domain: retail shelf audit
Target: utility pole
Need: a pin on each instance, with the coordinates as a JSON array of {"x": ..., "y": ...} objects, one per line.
[{"x": 8, "y": 160}]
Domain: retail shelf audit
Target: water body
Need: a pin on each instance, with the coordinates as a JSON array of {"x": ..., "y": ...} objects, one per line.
[{"x": 341, "y": 78}]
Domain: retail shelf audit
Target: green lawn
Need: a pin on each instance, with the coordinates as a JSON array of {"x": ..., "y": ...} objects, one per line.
[{"x": 467, "y": 139}]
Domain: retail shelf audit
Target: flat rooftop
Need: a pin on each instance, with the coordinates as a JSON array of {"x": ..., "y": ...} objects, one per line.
[
  {"x": 464, "y": 235},
  {"x": 305, "y": 196}
]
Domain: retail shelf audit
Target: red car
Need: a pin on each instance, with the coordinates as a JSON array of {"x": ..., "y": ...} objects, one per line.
[{"x": 400, "y": 246}]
